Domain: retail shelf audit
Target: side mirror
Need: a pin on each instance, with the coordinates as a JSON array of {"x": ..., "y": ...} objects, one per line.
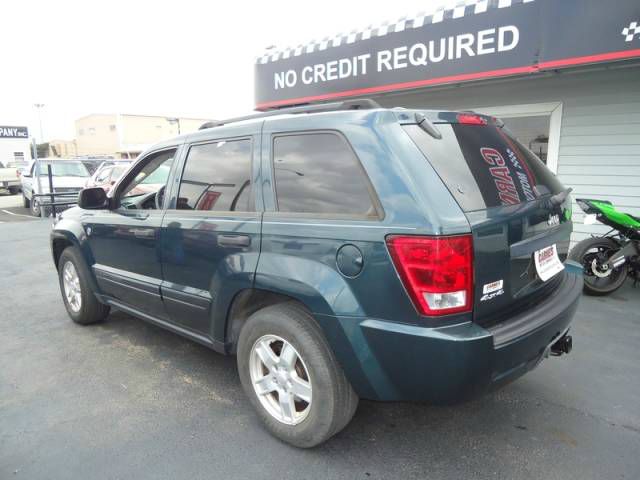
[{"x": 93, "y": 198}]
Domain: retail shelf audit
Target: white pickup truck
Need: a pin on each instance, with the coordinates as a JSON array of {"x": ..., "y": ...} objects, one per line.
[
  {"x": 68, "y": 177},
  {"x": 9, "y": 178}
]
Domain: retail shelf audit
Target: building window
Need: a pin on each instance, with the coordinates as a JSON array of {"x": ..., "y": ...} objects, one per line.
[
  {"x": 112, "y": 128},
  {"x": 319, "y": 173},
  {"x": 81, "y": 131},
  {"x": 92, "y": 131},
  {"x": 18, "y": 156}
]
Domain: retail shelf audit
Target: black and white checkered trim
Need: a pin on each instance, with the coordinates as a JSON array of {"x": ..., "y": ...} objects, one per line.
[
  {"x": 631, "y": 31},
  {"x": 463, "y": 8}
]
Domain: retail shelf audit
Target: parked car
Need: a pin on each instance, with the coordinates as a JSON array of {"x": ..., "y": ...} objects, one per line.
[
  {"x": 9, "y": 180},
  {"x": 20, "y": 167},
  {"x": 341, "y": 251},
  {"x": 107, "y": 174},
  {"x": 94, "y": 162},
  {"x": 68, "y": 177}
]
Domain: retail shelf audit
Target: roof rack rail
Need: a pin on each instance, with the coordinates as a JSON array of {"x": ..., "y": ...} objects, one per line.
[{"x": 362, "y": 104}]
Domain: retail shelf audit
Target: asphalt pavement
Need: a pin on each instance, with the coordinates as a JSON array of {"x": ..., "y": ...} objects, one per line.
[
  {"x": 127, "y": 400},
  {"x": 11, "y": 209}
]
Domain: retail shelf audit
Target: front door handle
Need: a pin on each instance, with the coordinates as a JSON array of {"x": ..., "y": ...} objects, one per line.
[{"x": 234, "y": 240}]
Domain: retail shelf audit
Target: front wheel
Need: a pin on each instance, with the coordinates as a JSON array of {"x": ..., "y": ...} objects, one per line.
[
  {"x": 81, "y": 303},
  {"x": 593, "y": 254},
  {"x": 292, "y": 378},
  {"x": 35, "y": 206}
]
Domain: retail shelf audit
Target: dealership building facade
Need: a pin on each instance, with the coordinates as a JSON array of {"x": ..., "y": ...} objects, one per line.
[
  {"x": 564, "y": 75},
  {"x": 14, "y": 145}
]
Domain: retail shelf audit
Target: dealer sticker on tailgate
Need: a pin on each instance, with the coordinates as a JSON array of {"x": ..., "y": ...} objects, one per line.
[{"x": 547, "y": 262}]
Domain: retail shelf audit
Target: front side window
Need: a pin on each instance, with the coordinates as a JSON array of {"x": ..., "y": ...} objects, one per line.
[
  {"x": 152, "y": 177},
  {"x": 103, "y": 176},
  {"x": 117, "y": 172},
  {"x": 318, "y": 173},
  {"x": 217, "y": 177}
]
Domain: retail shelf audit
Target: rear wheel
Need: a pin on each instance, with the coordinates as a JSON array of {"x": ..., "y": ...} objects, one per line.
[
  {"x": 81, "y": 303},
  {"x": 593, "y": 254},
  {"x": 14, "y": 190},
  {"x": 292, "y": 378}
]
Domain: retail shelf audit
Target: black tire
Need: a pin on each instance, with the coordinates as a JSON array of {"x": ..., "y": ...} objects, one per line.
[
  {"x": 594, "y": 285},
  {"x": 14, "y": 190},
  {"x": 36, "y": 209},
  {"x": 91, "y": 310},
  {"x": 333, "y": 402},
  {"x": 26, "y": 203},
  {"x": 35, "y": 206}
]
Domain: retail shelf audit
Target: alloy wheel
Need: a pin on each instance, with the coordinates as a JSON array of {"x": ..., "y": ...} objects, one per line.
[
  {"x": 71, "y": 284},
  {"x": 280, "y": 379}
]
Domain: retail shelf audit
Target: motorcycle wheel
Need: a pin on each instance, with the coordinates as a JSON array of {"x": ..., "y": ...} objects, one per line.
[{"x": 592, "y": 254}]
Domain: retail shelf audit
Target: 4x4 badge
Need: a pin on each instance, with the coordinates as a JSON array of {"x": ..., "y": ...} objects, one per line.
[{"x": 492, "y": 290}]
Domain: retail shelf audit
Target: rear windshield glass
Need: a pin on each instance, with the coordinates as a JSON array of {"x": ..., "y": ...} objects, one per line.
[{"x": 485, "y": 166}]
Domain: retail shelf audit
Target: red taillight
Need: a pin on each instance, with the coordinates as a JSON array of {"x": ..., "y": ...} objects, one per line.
[
  {"x": 436, "y": 271},
  {"x": 470, "y": 119}
]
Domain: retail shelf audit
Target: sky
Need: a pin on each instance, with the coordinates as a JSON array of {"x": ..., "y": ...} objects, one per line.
[{"x": 174, "y": 58}]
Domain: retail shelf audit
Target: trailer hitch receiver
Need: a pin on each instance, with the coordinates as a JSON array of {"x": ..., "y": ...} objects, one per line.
[{"x": 563, "y": 345}]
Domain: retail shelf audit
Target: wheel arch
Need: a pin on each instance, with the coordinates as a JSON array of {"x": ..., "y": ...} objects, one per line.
[
  {"x": 64, "y": 238},
  {"x": 244, "y": 304}
]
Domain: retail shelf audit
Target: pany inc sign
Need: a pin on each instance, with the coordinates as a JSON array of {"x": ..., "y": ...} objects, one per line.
[
  {"x": 420, "y": 54},
  {"x": 478, "y": 39},
  {"x": 13, "y": 132}
]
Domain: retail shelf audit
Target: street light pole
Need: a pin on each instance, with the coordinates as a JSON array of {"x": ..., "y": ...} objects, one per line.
[
  {"x": 174, "y": 121},
  {"x": 39, "y": 107}
]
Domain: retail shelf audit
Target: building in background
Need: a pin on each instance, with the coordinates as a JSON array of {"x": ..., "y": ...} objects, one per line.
[
  {"x": 62, "y": 148},
  {"x": 14, "y": 145},
  {"x": 126, "y": 136},
  {"x": 564, "y": 75}
]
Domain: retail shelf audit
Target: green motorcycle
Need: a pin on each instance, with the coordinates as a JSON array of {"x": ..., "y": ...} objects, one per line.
[{"x": 609, "y": 259}]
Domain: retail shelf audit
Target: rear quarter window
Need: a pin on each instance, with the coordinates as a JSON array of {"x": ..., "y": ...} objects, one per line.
[
  {"x": 319, "y": 173},
  {"x": 485, "y": 166}
]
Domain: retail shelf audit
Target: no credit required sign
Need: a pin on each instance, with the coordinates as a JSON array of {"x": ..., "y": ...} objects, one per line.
[{"x": 476, "y": 40}]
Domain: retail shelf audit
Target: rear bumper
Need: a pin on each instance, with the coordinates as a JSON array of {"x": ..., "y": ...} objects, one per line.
[
  {"x": 9, "y": 183},
  {"x": 391, "y": 361}
]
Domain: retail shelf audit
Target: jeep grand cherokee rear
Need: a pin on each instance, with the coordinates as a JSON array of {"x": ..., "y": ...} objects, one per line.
[{"x": 506, "y": 275}]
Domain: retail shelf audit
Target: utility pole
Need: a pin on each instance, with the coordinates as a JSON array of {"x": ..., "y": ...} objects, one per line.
[
  {"x": 39, "y": 107},
  {"x": 174, "y": 121}
]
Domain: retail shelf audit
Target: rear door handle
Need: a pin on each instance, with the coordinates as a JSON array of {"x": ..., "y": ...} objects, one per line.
[{"x": 234, "y": 240}]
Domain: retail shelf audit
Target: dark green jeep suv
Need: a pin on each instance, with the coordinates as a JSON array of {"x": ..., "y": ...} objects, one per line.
[{"x": 341, "y": 251}]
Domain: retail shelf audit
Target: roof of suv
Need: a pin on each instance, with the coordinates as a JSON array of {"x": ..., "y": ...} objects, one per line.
[{"x": 348, "y": 109}]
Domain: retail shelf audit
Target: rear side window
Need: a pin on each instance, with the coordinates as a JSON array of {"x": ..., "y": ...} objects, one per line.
[
  {"x": 217, "y": 177},
  {"x": 485, "y": 166},
  {"x": 319, "y": 173}
]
